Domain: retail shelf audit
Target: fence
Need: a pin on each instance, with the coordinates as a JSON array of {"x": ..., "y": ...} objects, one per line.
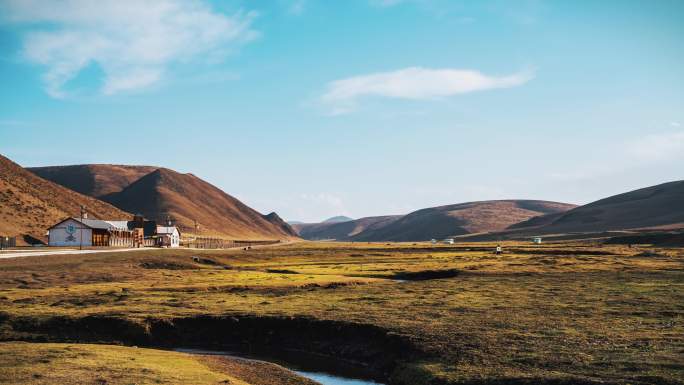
[
  {"x": 218, "y": 243},
  {"x": 6, "y": 242}
]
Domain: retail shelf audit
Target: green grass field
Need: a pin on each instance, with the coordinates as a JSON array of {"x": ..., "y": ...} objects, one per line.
[
  {"x": 67, "y": 364},
  {"x": 566, "y": 312}
]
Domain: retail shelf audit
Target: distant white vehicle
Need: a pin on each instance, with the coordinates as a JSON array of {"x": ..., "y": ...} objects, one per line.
[
  {"x": 433, "y": 241},
  {"x": 537, "y": 240},
  {"x": 448, "y": 241}
]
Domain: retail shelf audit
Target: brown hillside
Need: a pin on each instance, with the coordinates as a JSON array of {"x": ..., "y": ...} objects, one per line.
[
  {"x": 658, "y": 207},
  {"x": 30, "y": 204},
  {"x": 459, "y": 219},
  {"x": 95, "y": 180},
  {"x": 277, "y": 221},
  {"x": 186, "y": 199},
  {"x": 655, "y": 206},
  {"x": 537, "y": 221}
]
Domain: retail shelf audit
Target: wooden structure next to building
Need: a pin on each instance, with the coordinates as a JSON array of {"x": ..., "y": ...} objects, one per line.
[
  {"x": 7, "y": 242},
  {"x": 86, "y": 232}
]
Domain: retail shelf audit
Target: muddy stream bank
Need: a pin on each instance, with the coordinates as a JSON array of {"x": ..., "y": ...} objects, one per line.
[{"x": 330, "y": 352}]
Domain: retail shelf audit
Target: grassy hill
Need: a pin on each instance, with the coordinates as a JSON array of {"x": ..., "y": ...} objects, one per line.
[
  {"x": 655, "y": 206},
  {"x": 158, "y": 193},
  {"x": 30, "y": 204},
  {"x": 459, "y": 219},
  {"x": 95, "y": 180},
  {"x": 188, "y": 200}
]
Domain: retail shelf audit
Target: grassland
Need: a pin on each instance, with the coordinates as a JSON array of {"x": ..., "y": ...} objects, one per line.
[
  {"x": 67, "y": 364},
  {"x": 557, "y": 313}
]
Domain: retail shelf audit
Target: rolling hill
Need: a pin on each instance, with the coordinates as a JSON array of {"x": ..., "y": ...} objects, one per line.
[
  {"x": 651, "y": 207},
  {"x": 459, "y": 219},
  {"x": 95, "y": 180},
  {"x": 435, "y": 222},
  {"x": 338, "y": 219},
  {"x": 342, "y": 231},
  {"x": 158, "y": 193},
  {"x": 30, "y": 204}
]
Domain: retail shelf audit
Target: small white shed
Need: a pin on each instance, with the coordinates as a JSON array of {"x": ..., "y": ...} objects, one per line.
[{"x": 168, "y": 236}]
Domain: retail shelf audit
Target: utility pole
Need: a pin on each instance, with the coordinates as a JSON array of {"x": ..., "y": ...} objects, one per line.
[
  {"x": 197, "y": 237},
  {"x": 80, "y": 247}
]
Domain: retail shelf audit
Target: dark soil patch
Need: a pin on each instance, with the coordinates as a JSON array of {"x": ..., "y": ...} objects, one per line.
[
  {"x": 425, "y": 275},
  {"x": 205, "y": 261},
  {"x": 658, "y": 239},
  {"x": 281, "y": 271},
  {"x": 556, "y": 252},
  {"x": 168, "y": 265}
]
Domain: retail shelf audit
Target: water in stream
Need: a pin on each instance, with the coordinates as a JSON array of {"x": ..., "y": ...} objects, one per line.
[
  {"x": 328, "y": 379},
  {"x": 322, "y": 378}
]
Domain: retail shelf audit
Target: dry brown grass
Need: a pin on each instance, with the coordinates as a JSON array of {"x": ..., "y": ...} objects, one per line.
[
  {"x": 79, "y": 364},
  {"x": 29, "y": 204},
  {"x": 568, "y": 311}
]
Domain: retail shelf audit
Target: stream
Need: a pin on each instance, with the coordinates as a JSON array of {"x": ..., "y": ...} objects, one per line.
[{"x": 320, "y": 377}]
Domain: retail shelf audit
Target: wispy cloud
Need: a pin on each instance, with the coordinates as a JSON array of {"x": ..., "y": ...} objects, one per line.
[
  {"x": 385, "y": 3},
  {"x": 658, "y": 147},
  {"x": 326, "y": 204},
  {"x": 646, "y": 151},
  {"x": 326, "y": 199},
  {"x": 14, "y": 123},
  {"x": 415, "y": 83},
  {"x": 133, "y": 42},
  {"x": 296, "y": 7}
]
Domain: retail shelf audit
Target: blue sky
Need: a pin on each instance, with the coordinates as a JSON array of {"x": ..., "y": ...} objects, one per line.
[{"x": 360, "y": 107}]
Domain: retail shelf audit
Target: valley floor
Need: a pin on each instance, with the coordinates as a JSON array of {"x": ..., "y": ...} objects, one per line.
[
  {"x": 71, "y": 364},
  {"x": 407, "y": 313}
]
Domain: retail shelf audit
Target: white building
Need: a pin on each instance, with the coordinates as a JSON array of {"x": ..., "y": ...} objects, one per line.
[
  {"x": 70, "y": 232},
  {"x": 168, "y": 236},
  {"x": 90, "y": 232}
]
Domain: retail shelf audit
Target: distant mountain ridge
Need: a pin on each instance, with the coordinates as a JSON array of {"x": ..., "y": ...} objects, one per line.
[
  {"x": 459, "y": 219},
  {"x": 434, "y": 222},
  {"x": 30, "y": 204},
  {"x": 342, "y": 231},
  {"x": 158, "y": 193},
  {"x": 338, "y": 219}
]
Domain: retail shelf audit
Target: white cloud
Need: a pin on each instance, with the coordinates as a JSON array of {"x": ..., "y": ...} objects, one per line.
[
  {"x": 385, "y": 3},
  {"x": 327, "y": 199},
  {"x": 658, "y": 147},
  {"x": 652, "y": 150},
  {"x": 14, "y": 123},
  {"x": 133, "y": 42},
  {"x": 675, "y": 124},
  {"x": 296, "y": 7},
  {"x": 414, "y": 83},
  {"x": 324, "y": 204}
]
